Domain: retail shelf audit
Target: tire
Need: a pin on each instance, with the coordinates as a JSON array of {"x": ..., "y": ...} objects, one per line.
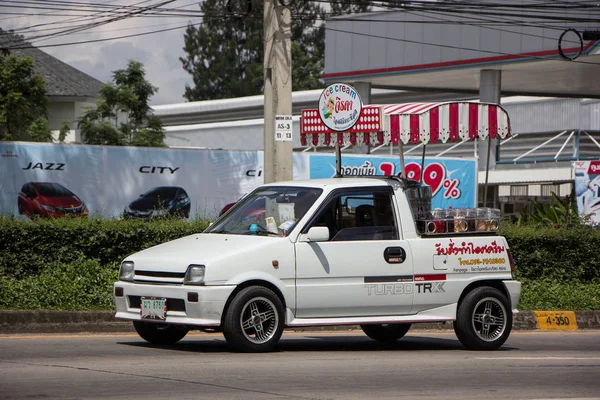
[
  {"x": 254, "y": 320},
  {"x": 159, "y": 333},
  {"x": 386, "y": 332},
  {"x": 484, "y": 319}
]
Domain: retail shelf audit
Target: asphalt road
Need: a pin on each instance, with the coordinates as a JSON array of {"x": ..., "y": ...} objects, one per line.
[{"x": 310, "y": 365}]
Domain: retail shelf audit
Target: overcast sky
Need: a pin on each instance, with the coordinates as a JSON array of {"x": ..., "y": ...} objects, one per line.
[{"x": 158, "y": 52}]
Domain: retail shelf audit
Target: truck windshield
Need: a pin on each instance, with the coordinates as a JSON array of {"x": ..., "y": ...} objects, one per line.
[{"x": 268, "y": 211}]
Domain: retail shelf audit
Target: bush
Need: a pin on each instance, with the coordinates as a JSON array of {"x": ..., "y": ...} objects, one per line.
[
  {"x": 29, "y": 248},
  {"x": 83, "y": 284},
  {"x": 561, "y": 254},
  {"x": 550, "y": 295},
  {"x": 71, "y": 264}
]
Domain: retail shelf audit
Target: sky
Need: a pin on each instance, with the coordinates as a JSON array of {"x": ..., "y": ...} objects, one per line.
[{"x": 158, "y": 52}]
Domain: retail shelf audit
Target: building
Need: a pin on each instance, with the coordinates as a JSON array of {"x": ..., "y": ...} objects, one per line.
[
  {"x": 548, "y": 134},
  {"x": 69, "y": 90},
  {"x": 411, "y": 56}
]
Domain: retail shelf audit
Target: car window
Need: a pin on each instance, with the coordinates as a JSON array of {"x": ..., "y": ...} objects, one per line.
[
  {"x": 52, "y": 190},
  {"x": 269, "y": 210},
  {"x": 163, "y": 192},
  {"x": 26, "y": 189},
  {"x": 360, "y": 215}
]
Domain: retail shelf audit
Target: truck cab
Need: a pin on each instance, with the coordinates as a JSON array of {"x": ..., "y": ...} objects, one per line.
[{"x": 340, "y": 251}]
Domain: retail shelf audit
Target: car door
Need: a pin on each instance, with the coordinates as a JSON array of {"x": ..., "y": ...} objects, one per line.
[{"x": 364, "y": 269}]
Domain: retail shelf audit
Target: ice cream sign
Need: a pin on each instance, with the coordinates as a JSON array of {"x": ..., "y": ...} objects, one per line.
[{"x": 339, "y": 107}]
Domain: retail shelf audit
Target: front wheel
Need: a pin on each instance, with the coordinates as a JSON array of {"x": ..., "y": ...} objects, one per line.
[
  {"x": 484, "y": 319},
  {"x": 254, "y": 320},
  {"x": 159, "y": 333},
  {"x": 386, "y": 332}
]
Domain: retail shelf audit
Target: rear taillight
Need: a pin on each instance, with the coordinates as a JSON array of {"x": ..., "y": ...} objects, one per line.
[{"x": 513, "y": 266}]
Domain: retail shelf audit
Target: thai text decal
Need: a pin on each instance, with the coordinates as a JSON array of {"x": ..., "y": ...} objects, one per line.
[{"x": 468, "y": 248}]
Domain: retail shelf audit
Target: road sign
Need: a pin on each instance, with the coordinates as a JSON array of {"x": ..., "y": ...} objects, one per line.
[{"x": 283, "y": 128}]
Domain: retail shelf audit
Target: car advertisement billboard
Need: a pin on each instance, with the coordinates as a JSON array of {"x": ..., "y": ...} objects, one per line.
[
  {"x": 39, "y": 180},
  {"x": 42, "y": 180},
  {"x": 587, "y": 189},
  {"x": 453, "y": 181}
]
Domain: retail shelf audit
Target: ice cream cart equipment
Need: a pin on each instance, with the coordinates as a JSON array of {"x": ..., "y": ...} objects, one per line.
[{"x": 416, "y": 123}]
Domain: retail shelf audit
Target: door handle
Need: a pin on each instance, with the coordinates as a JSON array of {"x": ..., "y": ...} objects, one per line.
[{"x": 394, "y": 255}]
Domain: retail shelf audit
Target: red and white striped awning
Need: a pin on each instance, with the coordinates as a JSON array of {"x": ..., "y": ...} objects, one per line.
[
  {"x": 412, "y": 122},
  {"x": 313, "y": 130}
]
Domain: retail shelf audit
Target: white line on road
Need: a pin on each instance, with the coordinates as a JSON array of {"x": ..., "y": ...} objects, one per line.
[{"x": 537, "y": 358}]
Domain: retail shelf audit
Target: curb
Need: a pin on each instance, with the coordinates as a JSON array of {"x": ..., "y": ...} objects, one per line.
[{"x": 28, "y": 322}]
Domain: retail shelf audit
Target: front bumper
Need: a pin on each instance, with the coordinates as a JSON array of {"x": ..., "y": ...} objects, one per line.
[{"x": 207, "y": 311}]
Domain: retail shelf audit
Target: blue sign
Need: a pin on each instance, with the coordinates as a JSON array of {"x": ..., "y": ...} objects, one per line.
[{"x": 453, "y": 181}]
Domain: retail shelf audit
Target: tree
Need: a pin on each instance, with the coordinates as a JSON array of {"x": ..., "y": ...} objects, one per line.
[
  {"x": 225, "y": 54},
  {"x": 224, "y": 57},
  {"x": 23, "y": 101},
  {"x": 122, "y": 115},
  {"x": 65, "y": 128}
]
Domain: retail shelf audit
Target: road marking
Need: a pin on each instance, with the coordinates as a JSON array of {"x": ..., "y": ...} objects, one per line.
[
  {"x": 63, "y": 336},
  {"x": 556, "y": 320},
  {"x": 414, "y": 333},
  {"x": 537, "y": 358}
]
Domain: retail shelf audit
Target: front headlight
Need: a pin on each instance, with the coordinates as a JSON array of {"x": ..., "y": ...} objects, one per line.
[
  {"x": 194, "y": 275},
  {"x": 48, "y": 208},
  {"x": 127, "y": 271}
]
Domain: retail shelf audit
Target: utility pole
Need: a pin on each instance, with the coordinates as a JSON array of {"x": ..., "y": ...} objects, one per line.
[{"x": 278, "y": 92}]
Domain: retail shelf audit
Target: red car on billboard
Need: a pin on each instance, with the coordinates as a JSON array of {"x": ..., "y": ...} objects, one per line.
[
  {"x": 254, "y": 212},
  {"x": 48, "y": 199}
]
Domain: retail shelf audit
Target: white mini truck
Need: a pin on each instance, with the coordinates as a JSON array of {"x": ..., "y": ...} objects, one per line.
[{"x": 340, "y": 251}]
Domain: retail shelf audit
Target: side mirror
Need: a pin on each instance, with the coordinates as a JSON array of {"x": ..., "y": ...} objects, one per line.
[{"x": 317, "y": 234}]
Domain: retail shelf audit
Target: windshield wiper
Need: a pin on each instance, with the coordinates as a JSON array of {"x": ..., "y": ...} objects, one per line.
[{"x": 219, "y": 231}]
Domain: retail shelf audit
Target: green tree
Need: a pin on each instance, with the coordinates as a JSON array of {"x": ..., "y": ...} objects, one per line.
[
  {"x": 122, "y": 115},
  {"x": 23, "y": 101},
  {"x": 225, "y": 54},
  {"x": 65, "y": 128}
]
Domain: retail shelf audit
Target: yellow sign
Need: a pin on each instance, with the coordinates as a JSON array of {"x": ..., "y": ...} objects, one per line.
[{"x": 556, "y": 320}]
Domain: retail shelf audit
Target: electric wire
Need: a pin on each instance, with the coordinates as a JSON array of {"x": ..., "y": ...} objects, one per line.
[{"x": 158, "y": 10}]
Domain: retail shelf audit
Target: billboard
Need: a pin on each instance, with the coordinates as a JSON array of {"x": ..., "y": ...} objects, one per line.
[
  {"x": 38, "y": 179},
  {"x": 453, "y": 181},
  {"x": 587, "y": 189},
  {"x": 47, "y": 179}
]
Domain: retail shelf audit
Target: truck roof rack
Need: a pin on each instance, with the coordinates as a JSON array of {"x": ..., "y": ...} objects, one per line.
[{"x": 406, "y": 183}]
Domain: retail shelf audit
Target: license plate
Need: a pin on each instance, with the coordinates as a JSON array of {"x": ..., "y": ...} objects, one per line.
[{"x": 153, "y": 308}]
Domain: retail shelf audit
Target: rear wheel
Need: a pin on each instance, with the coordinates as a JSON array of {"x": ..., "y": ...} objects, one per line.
[
  {"x": 254, "y": 320},
  {"x": 159, "y": 333},
  {"x": 386, "y": 332},
  {"x": 484, "y": 319}
]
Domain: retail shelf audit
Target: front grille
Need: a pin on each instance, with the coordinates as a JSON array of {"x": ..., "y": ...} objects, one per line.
[
  {"x": 69, "y": 210},
  {"x": 172, "y": 304},
  {"x": 160, "y": 274},
  {"x": 154, "y": 277}
]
